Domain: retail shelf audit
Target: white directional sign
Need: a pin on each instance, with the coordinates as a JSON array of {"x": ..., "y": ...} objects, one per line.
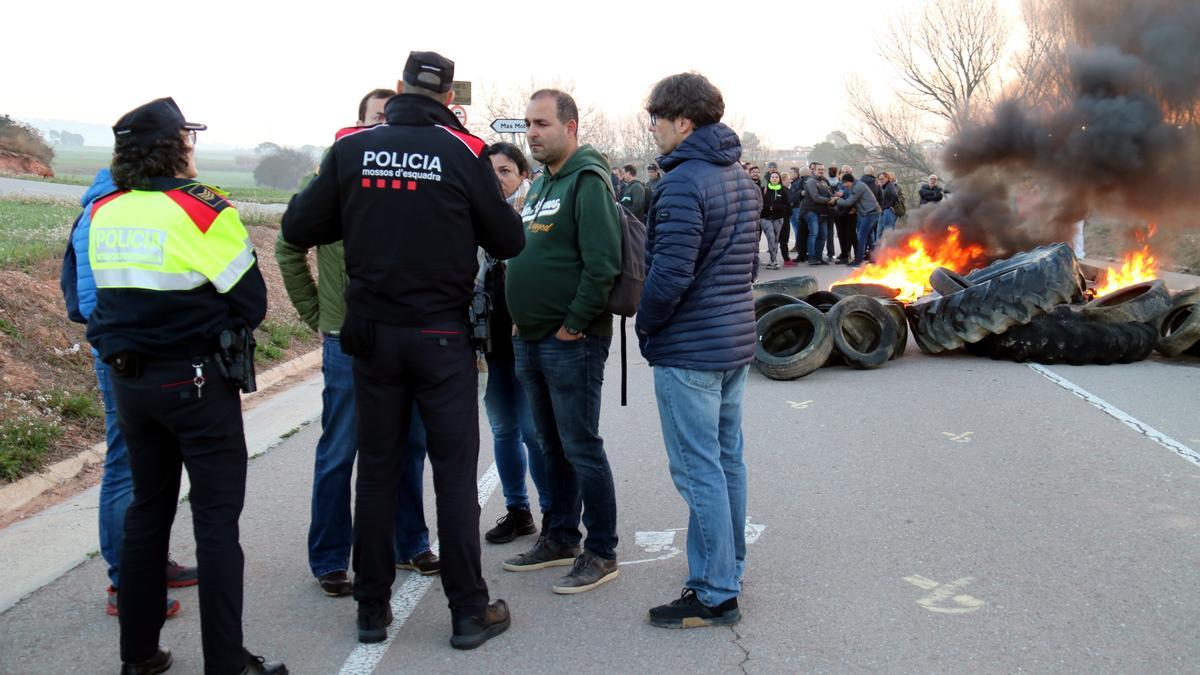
[{"x": 508, "y": 126}]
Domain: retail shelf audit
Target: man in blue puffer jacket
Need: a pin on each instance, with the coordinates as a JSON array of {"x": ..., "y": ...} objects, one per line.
[
  {"x": 695, "y": 324},
  {"x": 116, "y": 485}
]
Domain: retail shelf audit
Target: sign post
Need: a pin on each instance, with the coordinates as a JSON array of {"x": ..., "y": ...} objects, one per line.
[
  {"x": 462, "y": 92},
  {"x": 461, "y": 113},
  {"x": 508, "y": 126}
]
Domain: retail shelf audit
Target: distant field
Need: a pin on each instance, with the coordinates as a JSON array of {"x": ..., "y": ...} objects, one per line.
[
  {"x": 33, "y": 229},
  {"x": 77, "y": 166}
]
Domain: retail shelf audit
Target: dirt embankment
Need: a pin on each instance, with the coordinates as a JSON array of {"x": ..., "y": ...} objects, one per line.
[
  {"x": 42, "y": 352},
  {"x": 14, "y": 163}
]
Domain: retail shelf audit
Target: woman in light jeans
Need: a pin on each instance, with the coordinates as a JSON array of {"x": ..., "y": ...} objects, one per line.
[{"x": 514, "y": 437}]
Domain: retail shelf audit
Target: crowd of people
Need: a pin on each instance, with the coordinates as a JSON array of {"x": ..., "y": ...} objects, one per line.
[
  {"x": 816, "y": 209},
  {"x": 163, "y": 270}
]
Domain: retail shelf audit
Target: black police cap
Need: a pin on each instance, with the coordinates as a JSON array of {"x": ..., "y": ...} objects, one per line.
[
  {"x": 153, "y": 121},
  {"x": 429, "y": 70}
]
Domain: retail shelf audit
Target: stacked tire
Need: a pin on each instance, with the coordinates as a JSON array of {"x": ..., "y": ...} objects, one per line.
[
  {"x": 1019, "y": 309},
  {"x": 797, "y": 337}
]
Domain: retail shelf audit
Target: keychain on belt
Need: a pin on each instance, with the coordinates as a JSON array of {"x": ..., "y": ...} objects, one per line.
[{"x": 199, "y": 379}]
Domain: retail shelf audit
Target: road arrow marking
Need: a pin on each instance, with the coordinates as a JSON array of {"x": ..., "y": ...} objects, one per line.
[
  {"x": 964, "y": 437},
  {"x": 663, "y": 542},
  {"x": 799, "y": 405},
  {"x": 940, "y": 593}
]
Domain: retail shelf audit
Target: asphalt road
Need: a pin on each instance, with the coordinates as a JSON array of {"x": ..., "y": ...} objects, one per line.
[
  {"x": 941, "y": 514},
  {"x": 16, "y": 187}
]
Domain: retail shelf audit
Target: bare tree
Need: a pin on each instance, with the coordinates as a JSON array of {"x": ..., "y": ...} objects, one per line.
[
  {"x": 1041, "y": 70},
  {"x": 894, "y": 134},
  {"x": 948, "y": 56}
]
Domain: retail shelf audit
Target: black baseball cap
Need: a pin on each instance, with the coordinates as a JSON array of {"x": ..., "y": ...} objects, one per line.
[
  {"x": 429, "y": 70},
  {"x": 652, "y": 167},
  {"x": 153, "y": 121}
]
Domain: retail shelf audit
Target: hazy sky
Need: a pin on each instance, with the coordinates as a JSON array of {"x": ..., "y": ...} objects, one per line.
[{"x": 293, "y": 74}]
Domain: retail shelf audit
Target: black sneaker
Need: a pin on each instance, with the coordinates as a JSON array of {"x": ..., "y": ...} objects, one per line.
[
  {"x": 470, "y": 632},
  {"x": 515, "y": 523},
  {"x": 689, "y": 612},
  {"x": 159, "y": 663},
  {"x": 544, "y": 553},
  {"x": 373, "y": 621},
  {"x": 589, "y": 571},
  {"x": 336, "y": 584},
  {"x": 425, "y": 564},
  {"x": 258, "y": 665}
]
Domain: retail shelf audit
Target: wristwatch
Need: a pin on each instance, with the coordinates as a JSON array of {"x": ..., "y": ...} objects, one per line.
[{"x": 572, "y": 332}]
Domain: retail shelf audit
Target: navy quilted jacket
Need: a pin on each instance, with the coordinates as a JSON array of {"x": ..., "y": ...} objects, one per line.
[{"x": 696, "y": 310}]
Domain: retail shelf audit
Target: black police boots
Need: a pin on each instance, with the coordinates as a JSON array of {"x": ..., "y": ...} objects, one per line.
[{"x": 260, "y": 666}]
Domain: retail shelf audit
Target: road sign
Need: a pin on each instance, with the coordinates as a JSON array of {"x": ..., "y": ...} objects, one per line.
[
  {"x": 508, "y": 126},
  {"x": 461, "y": 113},
  {"x": 462, "y": 92}
]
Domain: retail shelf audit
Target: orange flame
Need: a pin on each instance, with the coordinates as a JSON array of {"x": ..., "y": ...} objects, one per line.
[
  {"x": 909, "y": 266},
  {"x": 1139, "y": 265}
]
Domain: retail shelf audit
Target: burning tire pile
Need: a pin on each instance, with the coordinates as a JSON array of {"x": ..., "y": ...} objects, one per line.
[
  {"x": 1033, "y": 306},
  {"x": 858, "y": 325}
]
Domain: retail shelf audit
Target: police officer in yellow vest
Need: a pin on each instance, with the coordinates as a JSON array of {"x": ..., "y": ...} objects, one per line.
[{"x": 176, "y": 276}]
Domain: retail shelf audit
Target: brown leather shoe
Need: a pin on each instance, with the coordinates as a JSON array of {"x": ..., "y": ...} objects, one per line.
[
  {"x": 470, "y": 631},
  {"x": 425, "y": 564}
]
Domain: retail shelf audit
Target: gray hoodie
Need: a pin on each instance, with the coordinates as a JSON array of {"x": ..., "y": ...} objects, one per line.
[{"x": 861, "y": 198}]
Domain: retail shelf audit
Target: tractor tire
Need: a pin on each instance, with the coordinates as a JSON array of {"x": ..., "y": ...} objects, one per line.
[
  {"x": 1179, "y": 330},
  {"x": 793, "y": 341},
  {"x": 797, "y": 287},
  {"x": 1064, "y": 336},
  {"x": 864, "y": 333},
  {"x": 1146, "y": 302},
  {"x": 1004, "y": 294},
  {"x": 770, "y": 301}
]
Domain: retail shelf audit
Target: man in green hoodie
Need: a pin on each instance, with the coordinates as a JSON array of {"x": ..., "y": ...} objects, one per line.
[
  {"x": 322, "y": 305},
  {"x": 557, "y": 291}
]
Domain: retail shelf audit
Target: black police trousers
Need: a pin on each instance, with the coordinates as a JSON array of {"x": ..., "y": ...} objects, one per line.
[
  {"x": 167, "y": 427},
  {"x": 434, "y": 366},
  {"x": 846, "y": 224}
]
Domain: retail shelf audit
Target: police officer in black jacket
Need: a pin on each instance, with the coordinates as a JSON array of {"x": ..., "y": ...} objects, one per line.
[{"x": 412, "y": 199}]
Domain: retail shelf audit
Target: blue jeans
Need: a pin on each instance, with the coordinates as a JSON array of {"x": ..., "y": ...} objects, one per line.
[
  {"x": 865, "y": 232},
  {"x": 563, "y": 382},
  {"x": 330, "y": 532},
  {"x": 818, "y": 230},
  {"x": 701, "y": 414},
  {"x": 887, "y": 221},
  {"x": 514, "y": 436},
  {"x": 796, "y": 229},
  {"x": 116, "y": 486}
]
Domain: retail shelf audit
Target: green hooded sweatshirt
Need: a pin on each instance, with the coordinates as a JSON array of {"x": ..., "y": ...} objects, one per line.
[
  {"x": 572, "y": 251},
  {"x": 321, "y": 304}
]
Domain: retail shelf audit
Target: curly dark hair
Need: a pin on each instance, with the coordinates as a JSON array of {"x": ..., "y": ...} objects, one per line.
[
  {"x": 134, "y": 165},
  {"x": 512, "y": 152},
  {"x": 689, "y": 96}
]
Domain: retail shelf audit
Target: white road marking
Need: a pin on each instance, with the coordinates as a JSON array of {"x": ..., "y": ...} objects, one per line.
[
  {"x": 1124, "y": 417},
  {"x": 364, "y": 658},
  {"x": 940, "y": 593},
  {"x": 964, "y": 437},
  {"x": 664, "y": 541},
  {"x": 799, "y": 405}
]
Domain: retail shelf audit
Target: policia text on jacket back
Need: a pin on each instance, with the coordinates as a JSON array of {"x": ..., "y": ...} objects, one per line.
[
  {"x": 174, "y": 269},
  {"x": 413, "y": 199}
]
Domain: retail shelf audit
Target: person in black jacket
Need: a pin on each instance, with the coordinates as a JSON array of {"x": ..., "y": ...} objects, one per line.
[
  {"x": 774, "y": 214},
  {"x": 814, "y": 208},
  {"x": 412, "y": 199},
  {"x": 931, "y": 192}
]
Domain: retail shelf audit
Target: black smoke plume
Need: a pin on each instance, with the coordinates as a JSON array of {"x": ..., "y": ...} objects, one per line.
[{"x": 1124, "y": 145}]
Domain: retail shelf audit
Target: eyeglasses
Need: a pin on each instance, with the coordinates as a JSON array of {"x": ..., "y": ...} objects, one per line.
[
  {"x": 653, "y": 120},
  {"x": 191, "y": 136}
]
